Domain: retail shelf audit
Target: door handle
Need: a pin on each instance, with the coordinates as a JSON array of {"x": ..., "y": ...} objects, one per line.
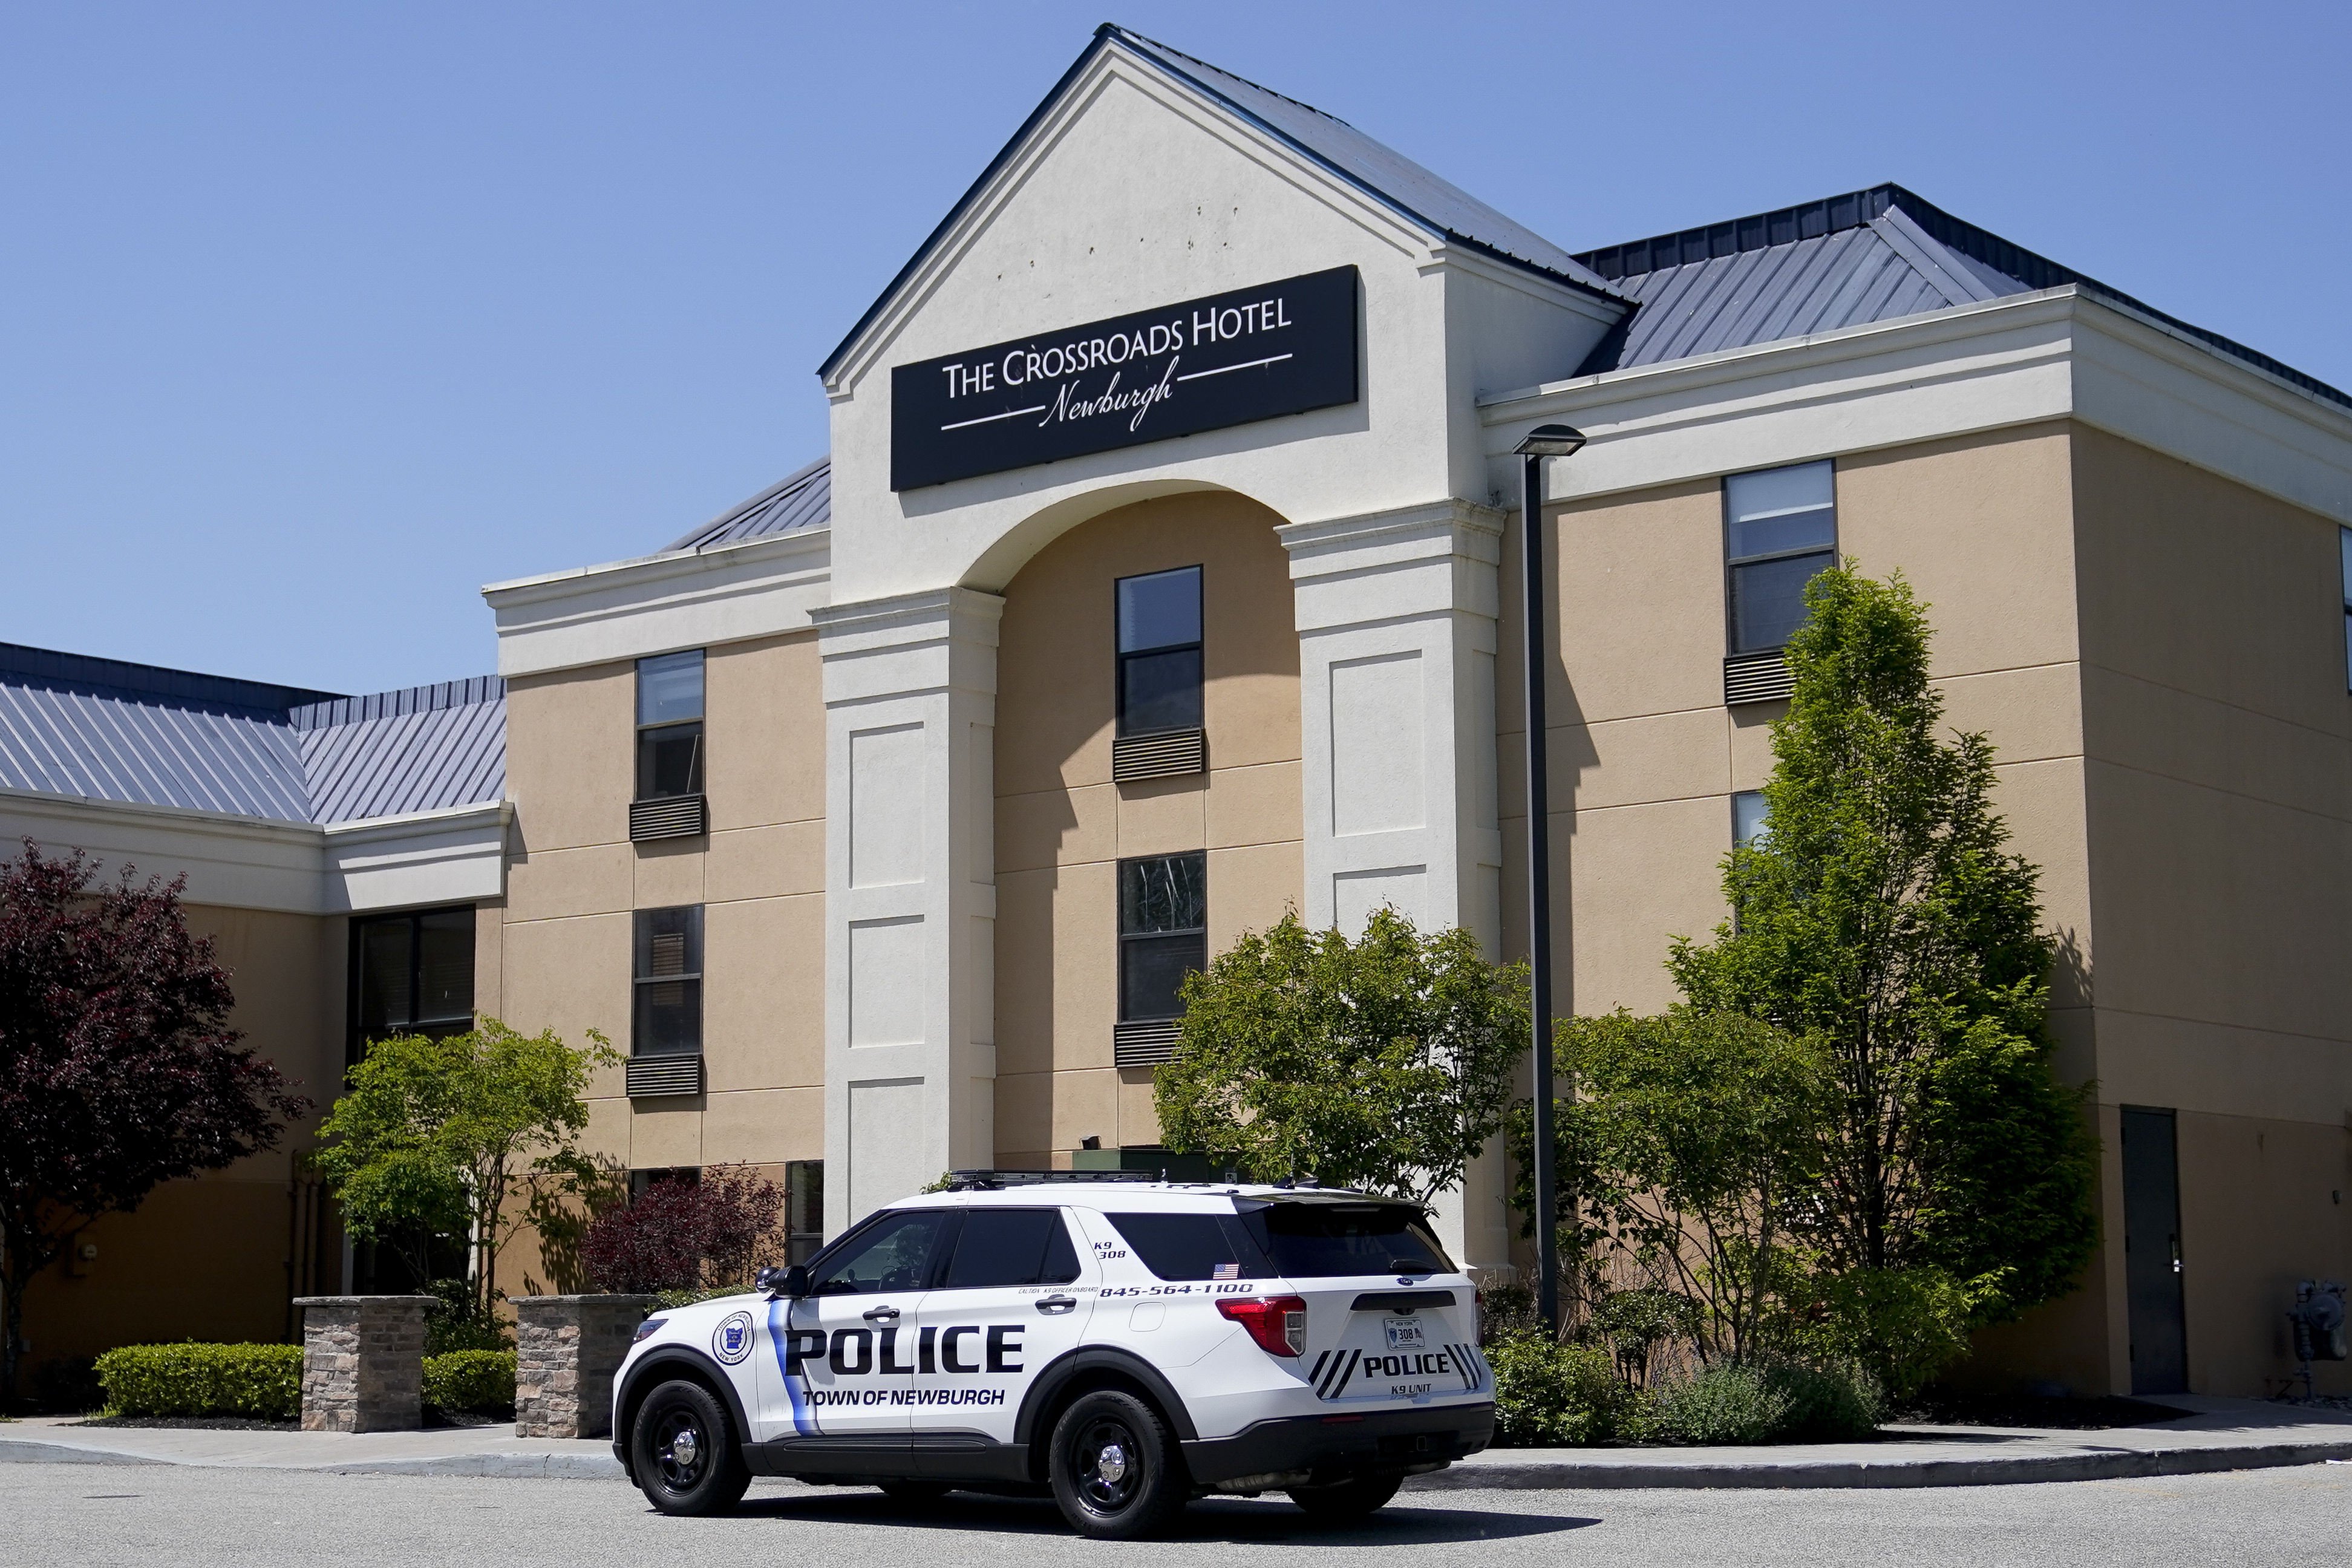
[
  {"x": 882, "y": 1315},
  {"x": 1054, "y": 1306}
]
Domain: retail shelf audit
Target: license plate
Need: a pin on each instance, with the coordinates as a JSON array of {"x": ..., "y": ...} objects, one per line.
[{"x": 1404, "y": 1334}]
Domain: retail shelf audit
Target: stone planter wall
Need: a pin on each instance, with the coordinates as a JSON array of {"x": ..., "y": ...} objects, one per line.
[
  {"x": 567, "y": 1349},
  {"x": 362, "y": 1363}
]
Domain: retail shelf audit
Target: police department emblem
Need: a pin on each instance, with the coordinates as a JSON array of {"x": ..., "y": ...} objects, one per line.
[{"x": 732, "y": 1341}]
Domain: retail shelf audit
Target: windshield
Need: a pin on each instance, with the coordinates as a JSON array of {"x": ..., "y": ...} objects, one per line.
[{"x": 1286, "y": 1241}]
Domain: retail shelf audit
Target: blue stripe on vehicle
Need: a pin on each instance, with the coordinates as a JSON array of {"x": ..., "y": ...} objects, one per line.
[{"x": 779, "y": 1337}]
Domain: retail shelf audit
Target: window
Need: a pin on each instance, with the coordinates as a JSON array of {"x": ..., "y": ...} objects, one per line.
[
  {"x": 804, "y": 1209},
  {"x": 1749, "y": 823},
  {"x": 1163, "y": 933},
  {"x": 410, "y": 974},
  {"x": 1160, "y": 652},
  {"x": 2343, "y": 538},
  {"x": 1193, "y": 1246},
  {"x": 892, "y": 1254},
  {"x": 1308, "y": 1241},
  {"x": 1001, "y": 1247},
  {"x": 667, "y": 1021},
  {"x": 1780, "y": 530},
  {"x": 669, "y": 725}
]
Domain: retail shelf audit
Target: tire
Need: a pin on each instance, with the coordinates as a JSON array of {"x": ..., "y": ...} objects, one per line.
[
  {"x": 1349, "y": 1499},
  {"x": 915, "y": 1491},
  {"x": 684, "y": 1451},
  {"x": 1116, "y": 1473}
]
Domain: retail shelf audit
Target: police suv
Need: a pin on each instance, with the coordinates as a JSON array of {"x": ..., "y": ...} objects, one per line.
[{"x": 1127, "y": 1346}]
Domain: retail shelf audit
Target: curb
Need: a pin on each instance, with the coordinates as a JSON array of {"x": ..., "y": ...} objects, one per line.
[
  {"x": 532, "y": 1467},
  {"x": 2014, "y": 1470},
  {"x": 1502, "y": 1473}
]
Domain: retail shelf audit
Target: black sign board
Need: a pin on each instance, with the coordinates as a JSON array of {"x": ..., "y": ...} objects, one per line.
[{"x": 1255, "y": 353}]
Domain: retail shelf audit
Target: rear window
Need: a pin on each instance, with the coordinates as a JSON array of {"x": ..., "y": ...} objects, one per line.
[
  {"x": 1285, "y": 1240},
  {"x": 1306, "y": 1241}
]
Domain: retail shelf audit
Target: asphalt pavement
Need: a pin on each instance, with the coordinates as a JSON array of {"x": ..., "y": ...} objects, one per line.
[{"x": 164, "y": 1516}]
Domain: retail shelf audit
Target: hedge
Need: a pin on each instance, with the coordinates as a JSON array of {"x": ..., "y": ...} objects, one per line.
[
  {"x": 260, "y": 1382},
  {"x": 470, "y": 1380}
]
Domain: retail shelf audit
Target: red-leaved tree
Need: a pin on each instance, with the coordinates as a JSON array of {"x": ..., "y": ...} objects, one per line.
[
  {"x": 118, "y": 1068},
  {"x": 682, "y": 1236}
]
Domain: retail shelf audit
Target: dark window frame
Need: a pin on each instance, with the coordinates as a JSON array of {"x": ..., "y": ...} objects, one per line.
[
  {"x": 1122, "y": 655},
  {"x": 641, "y": 940},
  {"x": 355, "y": 1035},
  {"x": 1733, "y": 564},
  {"x": 1127, "y": 939},
  {"x": 650, "y": 733},
  {"x": 2343, "y": 546}
]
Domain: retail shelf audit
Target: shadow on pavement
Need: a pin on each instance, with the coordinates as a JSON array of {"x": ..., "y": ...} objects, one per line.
[{"x": 1234, "y": 1521}]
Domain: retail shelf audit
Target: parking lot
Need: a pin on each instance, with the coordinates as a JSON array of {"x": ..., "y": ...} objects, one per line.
[{"x": 157, "y": 1516}]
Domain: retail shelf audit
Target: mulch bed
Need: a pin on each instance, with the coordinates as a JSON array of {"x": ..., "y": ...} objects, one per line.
[{"x": 2071, "y": 1414}]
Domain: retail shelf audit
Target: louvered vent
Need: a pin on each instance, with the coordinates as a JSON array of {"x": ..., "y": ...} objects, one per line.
[
  {"x": 1144, "y": 1044},
  {"x": 1756, "y": 678},
  {"x": 676, "y": 817},
  {"x": 653, "y": 1076},
  {"x": 1164, "y": 756}
]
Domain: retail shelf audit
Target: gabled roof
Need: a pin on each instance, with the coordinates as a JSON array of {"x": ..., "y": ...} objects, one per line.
[
  {"x": 104, "y": 729},
  {"x": 1386, "y": 175},
  {"x": 1846, "y": 260},
  {"x": 802, "y": 499}
]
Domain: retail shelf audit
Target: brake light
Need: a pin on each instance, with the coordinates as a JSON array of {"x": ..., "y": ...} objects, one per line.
[{"x": 1278, "y": 1323}]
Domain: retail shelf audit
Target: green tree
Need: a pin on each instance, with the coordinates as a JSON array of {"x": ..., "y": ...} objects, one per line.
[
  {"x": 1882, "y": 917},
  {"x": 1690, "y": 1138},
  {"x": 438, "y": 1136},
  {"x": 1383, "y": 1063}
]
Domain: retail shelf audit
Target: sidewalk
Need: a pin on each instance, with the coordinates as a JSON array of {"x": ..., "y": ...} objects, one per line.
[{"x": 2223, "y": 1435}]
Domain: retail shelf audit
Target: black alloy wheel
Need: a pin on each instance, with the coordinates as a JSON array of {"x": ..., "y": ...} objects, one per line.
[
  {"x": 682, "y": 1448},
  {"x": 1116, "y": 1473},
  {"x": 1347, "y": 1500}
]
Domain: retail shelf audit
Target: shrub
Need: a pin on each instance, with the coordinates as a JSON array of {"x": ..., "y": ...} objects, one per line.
[
  {"x": 1769, "y": 1402},
  {"x": 456, "y": 1322},
  {"x": 1549, "y": 1394},
  {"x": 263, "y": 1381},
  {"x": 470, "y": 1380},
  {"x": 683, "y": 1234},
  {"x": 1905, "y": 1324}
]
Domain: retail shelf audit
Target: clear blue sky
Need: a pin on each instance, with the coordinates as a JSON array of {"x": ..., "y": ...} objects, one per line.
[{"x": 313, "y": 319}]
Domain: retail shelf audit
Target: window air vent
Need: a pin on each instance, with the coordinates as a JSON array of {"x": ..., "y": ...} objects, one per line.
[
  {"x": 1167, "y": 756},
  {"x": 1756, "y": 678},
  {"x": 673, "y": 817},
  {"x": 652, "y": 1077},
  {"x": 1144, "y": 1044}
]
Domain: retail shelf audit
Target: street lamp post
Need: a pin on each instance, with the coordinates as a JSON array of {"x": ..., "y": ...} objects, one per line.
[{"x": 1543, "y": 441}]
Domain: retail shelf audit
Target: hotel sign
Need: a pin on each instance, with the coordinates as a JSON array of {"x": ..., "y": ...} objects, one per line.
[{"x": 1204, "y": 365}]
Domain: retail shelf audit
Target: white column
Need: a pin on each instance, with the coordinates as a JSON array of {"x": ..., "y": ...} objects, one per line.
[
  {"x": 1396, "y": 615},
  {"x": 910, "y": 893}
]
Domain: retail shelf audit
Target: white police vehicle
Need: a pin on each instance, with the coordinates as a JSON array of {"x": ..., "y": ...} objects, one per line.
[{"x": 1126, "y": 1346}]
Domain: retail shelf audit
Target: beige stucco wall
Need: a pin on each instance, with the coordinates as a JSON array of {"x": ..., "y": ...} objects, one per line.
[
  {"x": 557, "y": 955},
  {"x": 1062, "y": 826},
  {"x": 208, "y": 1256},
  {"x": 2220, "y": 739}
]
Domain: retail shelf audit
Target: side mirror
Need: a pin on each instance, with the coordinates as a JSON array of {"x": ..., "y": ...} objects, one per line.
[{"x": 793, "y": 1282}]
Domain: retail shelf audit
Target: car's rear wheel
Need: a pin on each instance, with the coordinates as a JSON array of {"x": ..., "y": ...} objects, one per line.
[
  {"x": 1116, "y": 1474},
  {"x": 684, "y": 1451},
  {"x": 1347, "y": 1500}
]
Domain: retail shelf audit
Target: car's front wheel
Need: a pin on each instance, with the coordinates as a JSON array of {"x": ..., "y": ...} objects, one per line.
[
  {"x": 684, "y": 1451},
  {"x": 1116, "y": 1473},
  {"x": 1347, "y": 1500}
]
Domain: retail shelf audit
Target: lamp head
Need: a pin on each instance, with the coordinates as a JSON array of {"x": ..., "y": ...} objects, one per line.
[{"x": 1550, "y": 441}]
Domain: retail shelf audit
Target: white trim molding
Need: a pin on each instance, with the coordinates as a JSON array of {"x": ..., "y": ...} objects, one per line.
[
  {"x": 682, "y": 598},
  {"x": 2054, "y": 353},
  {"x": 455, "y": 856}
]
